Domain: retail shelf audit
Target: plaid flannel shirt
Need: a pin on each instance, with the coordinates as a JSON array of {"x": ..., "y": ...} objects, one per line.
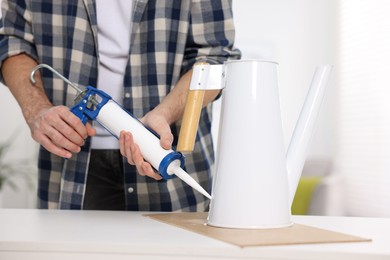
[{"x": 168, "y": 37}]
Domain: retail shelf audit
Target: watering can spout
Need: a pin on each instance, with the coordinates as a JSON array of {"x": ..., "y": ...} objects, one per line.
[{"x": 296, "y": 152}]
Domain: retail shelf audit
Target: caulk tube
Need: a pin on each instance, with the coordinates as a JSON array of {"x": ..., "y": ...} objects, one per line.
[{"x": 115, "y": 119}]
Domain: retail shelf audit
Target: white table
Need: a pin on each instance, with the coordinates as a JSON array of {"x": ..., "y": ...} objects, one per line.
[{"x": 44, "y": 234}]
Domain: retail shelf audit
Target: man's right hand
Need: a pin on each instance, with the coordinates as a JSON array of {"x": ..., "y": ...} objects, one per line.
[
  {"x": 54, "y": 127},
  {"x": 59, "y": 130}
]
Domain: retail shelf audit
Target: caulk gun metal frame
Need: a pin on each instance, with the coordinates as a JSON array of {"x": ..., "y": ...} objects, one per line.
[{"x": 114, "y": 118}]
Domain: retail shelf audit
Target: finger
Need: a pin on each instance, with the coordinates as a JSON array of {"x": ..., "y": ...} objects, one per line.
[
  {"x": 144, "y": 168},
  {"x": 46, "y": 129},
  {"x": 52, "y": 148},
  {"x": 138, "y": 159},
  {"x": 68, "y": 132},
  {"x": 149, "y": 171},
  {"x": 129, "y": 142},
  {"x": 166, "y": 136},
  {"x": 160, "y": 125},
  {"x": 166, "y": 140},
  {"x": 56, "y": 138},
  {"x": 56, "y": 118},
  {"x": 75, "y": 123},
  {"x": 122, "y": 143},
  {"x": 62, "y": 141}
]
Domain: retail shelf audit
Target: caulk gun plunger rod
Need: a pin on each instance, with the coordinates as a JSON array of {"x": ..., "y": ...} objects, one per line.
[{"x": 32, "y": 74}]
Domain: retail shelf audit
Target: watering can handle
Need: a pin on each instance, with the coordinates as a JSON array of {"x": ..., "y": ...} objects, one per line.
[{"x": 190, "y": 121}]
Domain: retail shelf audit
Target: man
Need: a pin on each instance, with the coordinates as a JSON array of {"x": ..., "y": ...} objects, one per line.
[{"x": 141, "y": 53}]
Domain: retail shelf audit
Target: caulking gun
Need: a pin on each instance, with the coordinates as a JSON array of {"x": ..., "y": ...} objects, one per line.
[{"x": 94, "y": 104}]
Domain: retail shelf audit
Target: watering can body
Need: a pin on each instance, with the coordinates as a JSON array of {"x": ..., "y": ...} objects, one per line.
[
  {"x": 250, "y": 188},
  {"x": 255, "y": 180}
]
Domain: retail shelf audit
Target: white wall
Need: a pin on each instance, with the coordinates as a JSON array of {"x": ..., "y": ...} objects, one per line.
[
  {"x": 363, "y": 150},
  {"x": 20, "y": 159}
]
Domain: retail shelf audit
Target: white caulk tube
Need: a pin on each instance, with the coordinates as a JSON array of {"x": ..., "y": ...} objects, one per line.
[{"x": 115, "y": 119}]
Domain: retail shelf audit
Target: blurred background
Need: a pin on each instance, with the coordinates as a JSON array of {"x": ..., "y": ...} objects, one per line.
[{"x": 348, "y": 167}]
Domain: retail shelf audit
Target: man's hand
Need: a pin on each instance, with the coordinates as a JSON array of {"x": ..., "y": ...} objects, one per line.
[
  {"x": 131, "y": 151},
  {"x": 54, "y": 127},
  {"x": 170, "y": 110},
  {"x": 59, "y": 130}
]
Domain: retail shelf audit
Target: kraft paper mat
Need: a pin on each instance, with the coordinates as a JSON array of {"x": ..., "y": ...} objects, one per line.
[{"x": 295, "y": 234}]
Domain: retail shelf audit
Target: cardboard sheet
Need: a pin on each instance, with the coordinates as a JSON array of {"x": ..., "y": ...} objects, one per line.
[{"x": 296, "y": 234}]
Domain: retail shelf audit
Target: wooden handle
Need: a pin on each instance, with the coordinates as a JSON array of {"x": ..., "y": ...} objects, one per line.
[{"x": 190, "y": 121}]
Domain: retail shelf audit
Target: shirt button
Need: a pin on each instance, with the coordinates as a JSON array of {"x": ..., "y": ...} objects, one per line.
[
  {"x": 127, "y": 95},
  {"x": 130, "y": 190}
]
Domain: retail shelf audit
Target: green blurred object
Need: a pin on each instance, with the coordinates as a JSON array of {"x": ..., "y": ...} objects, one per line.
[{"x": 304, "y": 194}]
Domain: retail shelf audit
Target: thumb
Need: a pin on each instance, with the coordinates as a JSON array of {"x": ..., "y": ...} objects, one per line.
[
  {"x": 90, "y": 130},
  {"x": 166, "y": 139},
  {"x": 162, "y": 128}
]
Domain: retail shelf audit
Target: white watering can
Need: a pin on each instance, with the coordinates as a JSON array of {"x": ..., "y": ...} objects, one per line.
[{"x": 255, "y": 181}]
